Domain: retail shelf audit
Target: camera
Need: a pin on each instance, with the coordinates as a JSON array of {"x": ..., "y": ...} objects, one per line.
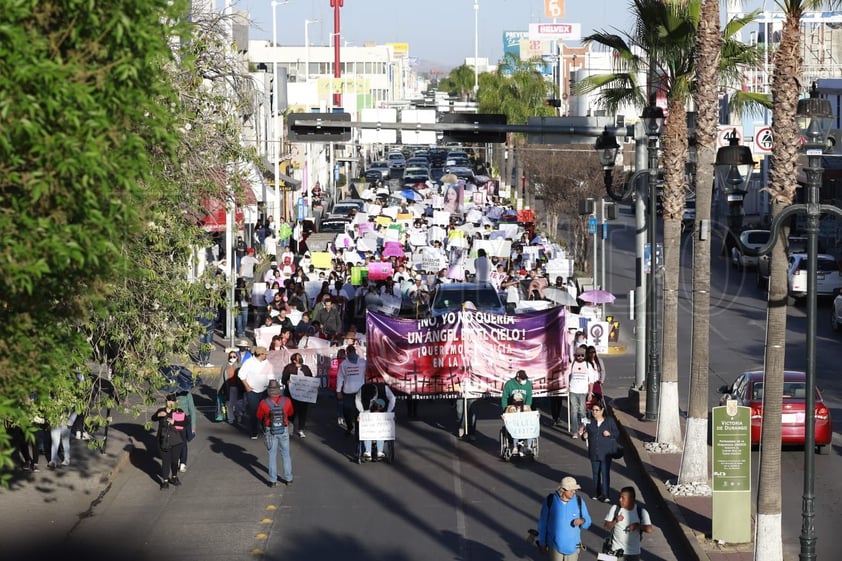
[{"x": 531, "y": 536}]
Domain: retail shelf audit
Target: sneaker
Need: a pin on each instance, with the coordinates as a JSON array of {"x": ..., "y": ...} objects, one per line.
[
  {"x": 165, "y": 485},
  {"x": 575, "y": 436},
  {"x": 381, "y": 455},
  {"x": 35, "y": 467},
  {"x": 209, "y": 365},
  {"x": 274, "y": 484},
  {"x": 175, "y": 480},
  {"x": 606, "y": 500},
  {"x": 366, "y": 455},
  {"x": 67, "y": 463},
  {"x": 595, "y": 498},
  {"x": 86, "y": 435},
  {"x": 254, "y": 437},
  {"x": 182, "y": 468},
  {"x": 461, "y": 432},
  {"x": 301, "y": 434},
  {"x": 288, "y": 482},
  {"x": 51, "y": 465},
  {"x": 341, "y": 422}
]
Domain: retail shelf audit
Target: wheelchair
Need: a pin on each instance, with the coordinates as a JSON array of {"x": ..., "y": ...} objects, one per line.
[
  {"x": 526, "y": 425},
  {"x": 388, "y": 420}
]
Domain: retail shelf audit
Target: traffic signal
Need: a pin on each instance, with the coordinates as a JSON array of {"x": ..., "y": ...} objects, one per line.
[
  {"x": 552, "y": 102},
  {"x": 326, "y": 127}
]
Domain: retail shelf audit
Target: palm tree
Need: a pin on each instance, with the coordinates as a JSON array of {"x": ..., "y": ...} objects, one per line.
[
  {"x": 710, "y": 44},
  {"x": 459, "y": 83},
  {"x": 660, "y": 45},
  {"x": 663, "y": 45},
  {"x": 786, "y": 89}
]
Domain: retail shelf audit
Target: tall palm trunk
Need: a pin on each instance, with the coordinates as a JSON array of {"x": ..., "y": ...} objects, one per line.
[
  {"x": 675, "y": 155},
  {"x": 785, "y": 92},
  {"x": 694, "y": 461}
]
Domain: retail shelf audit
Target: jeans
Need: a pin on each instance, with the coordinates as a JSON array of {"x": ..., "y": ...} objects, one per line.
[
  {"x": 381, "y": 446},
  {"x": 578, "y": 411},
  {"x": 253, "y": 401},
  {"x": 240, "y": 322},
  {"x": 205, "y": 346},
  {"x": 602, "y": 476},
  {"x": 188, "y": 433},
  {"x": 235, "y": 404},
  {"x": 60, "y": 435},
  {"x": 472, "y": 414},
  {"x": 275, "y": 442},
  {"x": 169, "y": 462}
]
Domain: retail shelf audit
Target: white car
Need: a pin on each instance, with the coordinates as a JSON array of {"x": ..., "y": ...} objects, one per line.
[
  {"x": 828, "y": 277},
  {"x": 754, "y": 239}
]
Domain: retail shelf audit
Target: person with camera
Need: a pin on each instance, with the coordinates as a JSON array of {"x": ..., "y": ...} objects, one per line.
[{"x": 626, "y": 524}]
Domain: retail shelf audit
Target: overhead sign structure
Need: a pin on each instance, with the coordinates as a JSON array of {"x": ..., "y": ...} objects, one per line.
[
  {"x": 731, "y": 430},
  {"x": 314, "y": 131},
  {"x": 379, "y": 136},
  {"x": 555, "y": 31},
  {"x": 763, "y": 139},
  {"x": 409, "y": 116},
  {"x": 473, "y": 136}
]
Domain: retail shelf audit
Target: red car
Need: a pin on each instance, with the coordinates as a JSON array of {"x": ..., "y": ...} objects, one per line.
[{"x": 747, "y": 389}]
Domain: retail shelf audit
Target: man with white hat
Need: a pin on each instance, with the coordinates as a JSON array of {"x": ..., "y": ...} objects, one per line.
[
  {"x": 274, "y": 412},
  {"x": 563, "y": 516},
  {"x": 255, "y": 374}
]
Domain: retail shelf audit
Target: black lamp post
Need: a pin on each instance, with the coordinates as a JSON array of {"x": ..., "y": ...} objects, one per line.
[
  {"x": 653, "y": 121},
  {"x": 733, "y": 168},
  {"x": 606, "y": 147},
  {"x": 814, "y": 118}
]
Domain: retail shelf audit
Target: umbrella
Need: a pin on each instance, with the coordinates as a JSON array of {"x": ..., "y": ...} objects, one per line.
[
  {"x": 412, "y": 195},
  {"x": 597, "y": 297},
  {"x": 559, "y": 296}
]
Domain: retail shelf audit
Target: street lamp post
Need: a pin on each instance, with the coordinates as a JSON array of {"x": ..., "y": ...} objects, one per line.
[
  {"x": 276, "y": 127},
  {"x": 814, "y": 118},
  {"x": 307, "y": 23},
  {"x": 476, "y": 48},
  {"x": 653, "y": 120},
  {"x": 733, "y": 168}
]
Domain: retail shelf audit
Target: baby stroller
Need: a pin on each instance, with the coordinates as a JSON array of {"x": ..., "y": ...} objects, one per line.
[{"x": 522, "y": 427}]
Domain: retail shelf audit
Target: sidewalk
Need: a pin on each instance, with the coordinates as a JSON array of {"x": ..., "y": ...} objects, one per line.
[{"x": 691, "y": 515}]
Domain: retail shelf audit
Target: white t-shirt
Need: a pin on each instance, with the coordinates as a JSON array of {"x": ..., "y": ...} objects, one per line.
[
  {"x": 580, "y": 376},
  {"x": 351, "y": 376},
  {"x": 256, "y": 373},
  {"x": 628, "y": 541}
]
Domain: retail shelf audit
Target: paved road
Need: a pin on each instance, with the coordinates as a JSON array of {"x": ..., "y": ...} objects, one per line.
[{"x": 442, "y": 499}]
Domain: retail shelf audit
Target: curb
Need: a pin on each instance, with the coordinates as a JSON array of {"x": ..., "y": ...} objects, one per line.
[{"x": 665, "y": 498}]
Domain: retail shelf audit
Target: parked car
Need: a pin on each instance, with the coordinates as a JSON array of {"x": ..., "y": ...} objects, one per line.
[
  {"x": 747, "y": 390},
  {"x": 453, "y": 297},
  {"x": 795, "y": 244},
  {"x": 828, "y": 276},
  {"x": 749, "y": 238},
  {"x": 346, "y": 207}
]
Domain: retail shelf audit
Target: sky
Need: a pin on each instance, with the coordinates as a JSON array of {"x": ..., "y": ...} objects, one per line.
[{"x": 438, "y": 31}]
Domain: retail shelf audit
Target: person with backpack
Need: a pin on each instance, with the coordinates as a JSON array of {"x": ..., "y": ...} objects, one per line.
[
  {"x": 274, "y": 412},
  {"x": 626, "y": 523},
  {"x": 563, "y": 517}
]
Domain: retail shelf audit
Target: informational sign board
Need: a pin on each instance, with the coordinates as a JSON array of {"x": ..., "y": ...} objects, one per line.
[
  {"x": 731, "y": 430},
  {"x": 763, "y": 139},
  {"x": 725, "y": 133},
  {"x": 523, "y": 425}
]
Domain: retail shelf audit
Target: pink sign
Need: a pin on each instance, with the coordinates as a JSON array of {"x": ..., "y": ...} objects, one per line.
[{"x": 379, "y": 271}]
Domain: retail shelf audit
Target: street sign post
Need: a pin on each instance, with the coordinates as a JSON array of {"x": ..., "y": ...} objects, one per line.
[{"x": 731, "y": 473}]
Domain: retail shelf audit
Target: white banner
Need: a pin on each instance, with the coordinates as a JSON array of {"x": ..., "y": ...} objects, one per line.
[
  {"x": 523, "y": 425},
  {"x": 377, "y": 426},
  {"x": 304, "y": 388}
]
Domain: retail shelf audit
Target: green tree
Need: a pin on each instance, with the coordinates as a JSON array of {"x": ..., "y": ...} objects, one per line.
[{"x": 459, "y": 83}]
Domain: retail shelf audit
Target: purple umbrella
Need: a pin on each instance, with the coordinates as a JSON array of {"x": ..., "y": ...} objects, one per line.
[{"x": 597, "y": 297}]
